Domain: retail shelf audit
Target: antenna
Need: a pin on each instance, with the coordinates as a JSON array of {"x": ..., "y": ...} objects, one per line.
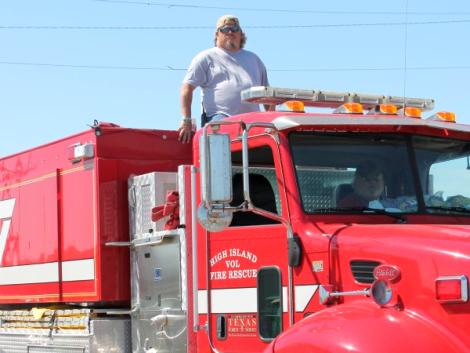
[{"x": 405, "y": 55}]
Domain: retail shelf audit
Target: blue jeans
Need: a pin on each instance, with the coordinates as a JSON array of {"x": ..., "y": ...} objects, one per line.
[{"x": 217, "y": 116}]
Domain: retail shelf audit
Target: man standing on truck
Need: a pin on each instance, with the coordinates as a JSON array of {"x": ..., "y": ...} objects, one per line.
[{"x": 222, "y": 73}]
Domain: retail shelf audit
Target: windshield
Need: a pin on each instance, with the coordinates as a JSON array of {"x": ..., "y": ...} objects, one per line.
[
  {"x": 444, "y": 172},
  {"x": 346, "y": 172}
]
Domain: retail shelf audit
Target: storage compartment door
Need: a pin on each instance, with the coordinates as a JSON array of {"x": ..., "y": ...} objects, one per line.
[{"x": 29, "y": 237}]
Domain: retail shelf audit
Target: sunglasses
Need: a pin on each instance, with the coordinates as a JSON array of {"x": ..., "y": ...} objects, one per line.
[{"x": 233, "y": 29}]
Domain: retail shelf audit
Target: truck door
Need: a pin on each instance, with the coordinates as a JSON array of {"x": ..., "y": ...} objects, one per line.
[{"x": 247, "y": 262}]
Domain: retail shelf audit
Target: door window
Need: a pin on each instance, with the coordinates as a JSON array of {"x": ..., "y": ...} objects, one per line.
[
  {"x": 264, "y": 191},
  {"x": 269, "y": 302}
]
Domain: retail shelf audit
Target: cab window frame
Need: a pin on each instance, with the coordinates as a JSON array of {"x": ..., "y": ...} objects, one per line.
[{"x": 263, "y": 154}]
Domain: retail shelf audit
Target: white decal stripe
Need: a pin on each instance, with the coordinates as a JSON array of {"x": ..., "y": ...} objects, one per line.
[
  {"x": 6, "y": 212},
  {"x": 244, "y": 300},
  {"x": 234, "y": 300},
  {"x": 39, "y": 273},
  {"x": 303, "y": 294},
  {"x": 6, "y": 208},
  {"x": 202, "y": 301},
  {"x": 284, "y": 299},
  {"x": 78, "y": 270},
  {"x": 5, "y": 228}
]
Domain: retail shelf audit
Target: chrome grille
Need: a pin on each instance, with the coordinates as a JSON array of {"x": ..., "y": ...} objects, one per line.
[{"x": 363, "y": 270}]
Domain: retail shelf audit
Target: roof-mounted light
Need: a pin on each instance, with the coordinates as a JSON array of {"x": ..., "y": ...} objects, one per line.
[
  {"x": 452, "y": 289},
  {"x": 349, "y": 108},
  {"x": 443, "y": 116},
  {"x": 411, "y": 112},
  {"x": 389, "y": 109},
  {"x": 294, "y": 106},
  {"x": 329, "y": 99},
  {"x": 384, "y": 109}
]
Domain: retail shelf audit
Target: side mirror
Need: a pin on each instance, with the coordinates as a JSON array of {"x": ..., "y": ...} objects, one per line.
[
  {"x": 216, "y": 181},
  {"x": 216, "y": 169}
]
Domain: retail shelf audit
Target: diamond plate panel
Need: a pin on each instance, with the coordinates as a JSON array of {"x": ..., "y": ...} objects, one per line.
[
  {"x": 145, "y": 209},
  {"x": 318, "y": 186},
  {"x": 106, "y": 335},
  {"x": 24, "y": 343},
  {"x": 52, "y": 349},
  {"x": 145, "y": 192}
]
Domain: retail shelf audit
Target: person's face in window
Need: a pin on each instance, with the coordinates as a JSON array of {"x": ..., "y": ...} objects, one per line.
[{"x": 369, "y": 187}]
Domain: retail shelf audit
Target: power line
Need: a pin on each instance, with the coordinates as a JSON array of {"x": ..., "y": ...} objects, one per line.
[
  {"x": 351, "y": 69},
  {"x": 156, "y": 28},
  {"x": 323, "y": 12},
  {"x": 170, "y": 68},
  {"x": 405, "y": 52},
  {"x": 153, "y": 68},
  {"x": 104, "y": 27}
]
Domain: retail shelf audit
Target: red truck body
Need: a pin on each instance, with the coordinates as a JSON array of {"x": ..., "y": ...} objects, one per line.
[{"x": 65, "y": 210}]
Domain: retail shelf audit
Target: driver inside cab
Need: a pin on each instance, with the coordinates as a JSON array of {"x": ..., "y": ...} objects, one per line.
[{"x": 368, "y": 185}]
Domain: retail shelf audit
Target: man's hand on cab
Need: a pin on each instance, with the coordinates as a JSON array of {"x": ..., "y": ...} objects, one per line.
[{"x": 186, "y": 131}]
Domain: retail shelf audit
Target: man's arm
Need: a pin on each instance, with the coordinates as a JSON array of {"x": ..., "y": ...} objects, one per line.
[{"x": 186, "y": 99}]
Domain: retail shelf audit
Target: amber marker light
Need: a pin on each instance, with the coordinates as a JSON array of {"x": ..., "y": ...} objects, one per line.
[
  {"x": 388, "y": 109},
  {"x": 443, "y": 116},
  {"x": 295, "y": 106},
  {"x": 349, "y": 108},
  {"x": 412, "y": 112},
  {"x": 354, "y": 108}
]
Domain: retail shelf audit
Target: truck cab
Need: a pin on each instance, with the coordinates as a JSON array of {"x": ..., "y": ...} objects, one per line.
[{"x": 332, "y": 268}]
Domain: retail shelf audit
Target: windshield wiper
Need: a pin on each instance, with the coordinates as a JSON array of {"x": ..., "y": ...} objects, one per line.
[
  {"x": 451, "y": 208},
  {"x": 380, "y": 211}
]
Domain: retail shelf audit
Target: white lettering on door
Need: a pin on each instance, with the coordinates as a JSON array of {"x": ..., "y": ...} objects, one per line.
[{"x": 6, "y": 212}]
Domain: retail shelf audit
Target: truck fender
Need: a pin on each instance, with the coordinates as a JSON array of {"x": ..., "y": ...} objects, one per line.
[{"x": 365, "y": 327}]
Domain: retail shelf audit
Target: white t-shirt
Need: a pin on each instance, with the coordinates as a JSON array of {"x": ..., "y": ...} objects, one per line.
[
  {"x": 376, "y": 204},
  {"x": 222, "y": 75}
]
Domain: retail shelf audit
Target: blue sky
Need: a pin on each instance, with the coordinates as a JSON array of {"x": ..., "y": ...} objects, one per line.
[{"x": 55, "y": 81}]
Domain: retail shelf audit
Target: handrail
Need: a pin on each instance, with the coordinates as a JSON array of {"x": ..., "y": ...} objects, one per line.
[{"x": 194, "y": 250}]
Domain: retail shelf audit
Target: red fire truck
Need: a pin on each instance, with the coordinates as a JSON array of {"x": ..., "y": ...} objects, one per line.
[{"x": 346, "y": 229}]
